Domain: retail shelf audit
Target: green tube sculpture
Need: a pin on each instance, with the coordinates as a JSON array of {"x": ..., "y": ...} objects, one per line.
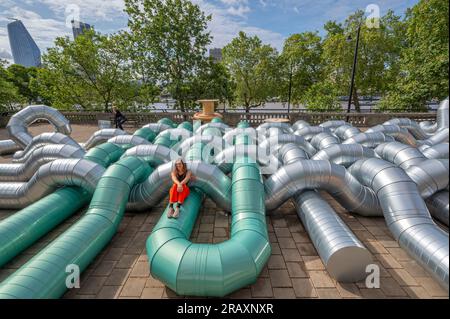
[
  {"x": 44, "y": 276},
  {"x": 214, "y": 270}
]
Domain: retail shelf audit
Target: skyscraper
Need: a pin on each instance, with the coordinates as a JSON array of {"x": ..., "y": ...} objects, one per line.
[
  {"x": 79, "y": 27},
  {"x": 216, "y": 54},
  {"x": 24, "y": 49}
]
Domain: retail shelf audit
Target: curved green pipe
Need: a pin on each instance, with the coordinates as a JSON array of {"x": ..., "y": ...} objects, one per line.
[
  {"x": 216, "y": 120},
  {"x": 44, "y": 276},
  {"x": 167, "y": 121},
  {"x": 36, "y": 220},
  {"x": 186, "y": 125},
  {"x": 145, "y": 133},
  {"x": 220, "y": 269}
]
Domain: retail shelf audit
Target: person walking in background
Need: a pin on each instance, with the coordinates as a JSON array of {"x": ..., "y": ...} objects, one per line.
[
  {"x": 119, "y": 118},
  {"x": 179, "y": 191}
]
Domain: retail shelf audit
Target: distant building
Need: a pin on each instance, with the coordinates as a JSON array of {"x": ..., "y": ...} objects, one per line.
[
  {"x": 79, "y": 28},
  {"x": 24, "y": 50},
  {"x": 216, "y": 54}
]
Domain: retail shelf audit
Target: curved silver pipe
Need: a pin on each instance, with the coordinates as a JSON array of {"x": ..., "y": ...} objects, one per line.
[
  {"x": 334, "y": 124},
  {"x": 299, "y": 125},
  {"x": 41, "y": 140},
  {"x": 438, "y": 206},
  {"x": 428, "y": 127},
  {"x": 207, "y": 177},
  {"x": 18, "y": 124},
  {"x": 411, "y": 126},
  {"x": 302, "y": 175},
  {"x": 273, "y": 143},
  {"x": 442, "y": 136},
  {"x": 345, "y": 132},
  {"x": 225, "y": 159},
  {"x": 155, "y": 155},
  {"x": 266, "y": 126},
  {"x": 343, "y": 255},
  {"x": 400, "y": 154},
  {"x": 21, "y": 172},
  {"x": 230, "y": 136},
  {"x": 8, "y": 147},
  {"x": 290, "y": 153},
  {"x": 438, "y": 151},
  {"x": 369, "y": 139},
  {"x": 431, "y": 176},
  {"x": 61, "y": 172},
  {"x": 407, "y": 216},
  {"x": 442, "y": 115},
  {"x": 400, "y": 134},
  {"x": 344, "y": 154},
  {"x": 101, "y": 137},
  {"x": 323, "y": 140},
  {"x": 309, "y": 132},
  {"x": 211, "y": 141},
  {"x": 127, "y": 140}
]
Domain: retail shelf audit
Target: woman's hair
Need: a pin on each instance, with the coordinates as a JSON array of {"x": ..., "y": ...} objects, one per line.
[{"x": 178, "y": 161}]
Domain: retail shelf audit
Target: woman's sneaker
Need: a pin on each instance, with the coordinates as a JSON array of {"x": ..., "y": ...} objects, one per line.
[
  {"x": 170, "y": 212},
  {"x": 176, "y": 214}
]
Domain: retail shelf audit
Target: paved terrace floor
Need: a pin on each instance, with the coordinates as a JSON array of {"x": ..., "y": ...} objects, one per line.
[{"x": 293, "y": 271}]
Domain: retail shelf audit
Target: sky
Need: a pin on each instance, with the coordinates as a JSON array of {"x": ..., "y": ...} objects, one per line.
[{"x": 272, "y": 20}]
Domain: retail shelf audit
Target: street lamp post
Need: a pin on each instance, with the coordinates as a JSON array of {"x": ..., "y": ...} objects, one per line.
[{"x": 355, "y": 60}]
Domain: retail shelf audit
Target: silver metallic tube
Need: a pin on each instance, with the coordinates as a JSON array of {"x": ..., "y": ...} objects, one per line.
[
  {"x": 442, "y": 136},
  {"x": 332, "y": 125},
  {"x": 266, "y": 126},
  {"x": 411, "y": 126},
  {"x": 207, "y": 177},
  {"x": 18, "y": 124},
  {"x": 102, "y": 136},
  {"x": 323, "y": 140},
  {"x": 431, "y": 176},
  {"x": 345, "y": 132},
  {"x": 309, "y": 132},
  {"x": 8, "y": 147},
  {"x": 290, "y": 153},
  {"x": 407, "y": 216},
  {"x": 21, "y": 172},
  {"x": 400, "y": 134},
  {"x": 291, "y": 179},
  {"x": 41, "y": 140},
  {"x": 61, "y": 172},
  {"x": 438, "y": 206},
  {"x": 155, "y": 155},
  {"x": 128, "y": 140},
  {"x": 299, "y": 125},
  {"x": 225, "y": 159},
  {"x": 273, "y": 143},
  {"x": 438, "y": 151},
  {"x": 344, "y": 154},
  {"x": 369, "y": 139},
  {"x": 344, "y": 256},
  {"x": 442, "y": 115},
  {"x": 428, "y": 127},
  {"x": 215, "y": 142},
  {"x": 400, "y": 154}
]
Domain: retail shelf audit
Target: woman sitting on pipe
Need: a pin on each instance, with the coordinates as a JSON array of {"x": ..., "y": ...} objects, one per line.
[{"x": 180, "y": 190}]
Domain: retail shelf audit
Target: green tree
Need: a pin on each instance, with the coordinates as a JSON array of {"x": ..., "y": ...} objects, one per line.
[
  {"x": 302, "y": 65},
  {"x": 9, "y": 93},
  {"x": 91, "y": 71},
  {"x": 169, "y": 40},
  {"x": 21, "y": 76},
  {"x": 322, "y": 97},
  {"x": 425, "y": 61},
  {"x": 378, "y": 56},
  {"x": 254, "y": 68}
]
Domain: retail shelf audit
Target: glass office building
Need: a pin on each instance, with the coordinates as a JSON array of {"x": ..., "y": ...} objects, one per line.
[
  {"x": 24, "y": 49},
  {"x": 79, "y": 27}
]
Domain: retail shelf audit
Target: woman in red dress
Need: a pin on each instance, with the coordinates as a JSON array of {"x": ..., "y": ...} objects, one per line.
[{"x": 179, "y": 191}]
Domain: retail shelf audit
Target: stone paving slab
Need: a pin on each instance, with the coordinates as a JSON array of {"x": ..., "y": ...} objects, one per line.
[{"x": 294, "y": 270}]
